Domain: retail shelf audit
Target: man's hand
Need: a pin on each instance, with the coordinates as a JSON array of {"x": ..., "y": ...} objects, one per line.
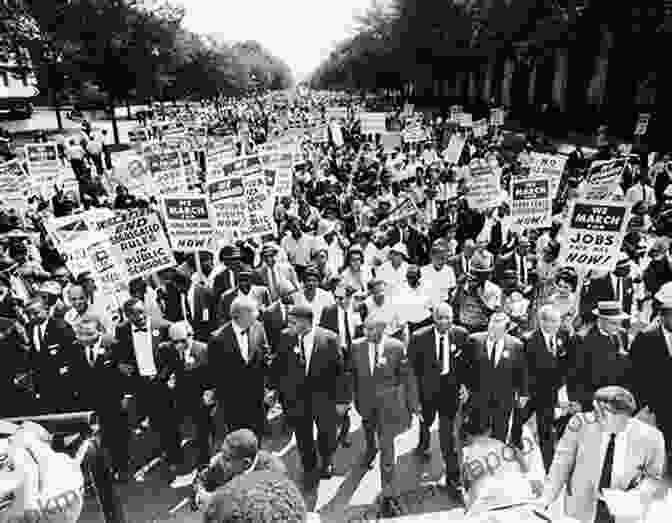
[
  {"x": 126, "y": 369},
  {"x": 342, "y": 408},
  {"x": 209, "y": 397},
  {"x": 463, "y": 394},
  {"x": 522, "y": 401}
]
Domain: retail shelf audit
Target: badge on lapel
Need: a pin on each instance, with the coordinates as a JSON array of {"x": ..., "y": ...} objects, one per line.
[{"x": 156, "y": 333}]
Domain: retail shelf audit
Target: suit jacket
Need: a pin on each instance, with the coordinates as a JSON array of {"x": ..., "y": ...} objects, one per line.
[
  {"x": 329, "y": 321},
  {"x": 546, "y": 372},
  {"x": 432, "y": 387},
  {"x": 286, "y": 272},
  {"x": 94, "y": 386},
  {"x": 203, "y": 315},
  {"x": 513, "y": 262},
  {"x": 123, "y": 350},
  {"x": 602, "y": 289},
  {"x": 322, "y": 384},
  {"x": 597, "y": 364},
  {"x": 503, "y": 382},
  {"x": 257, "y": 292},
  {"x": 222, "y": 283},
  {"x": 275, "y": 322},
  {"x": 457, "y": 263},
  {"x": 391, "y": 388},
  {"x": 190, "y": 376},
  {"x": 578, "y": 463},
  {"x": 53, "y": 356},
  {"x": 650, "y": 357}
]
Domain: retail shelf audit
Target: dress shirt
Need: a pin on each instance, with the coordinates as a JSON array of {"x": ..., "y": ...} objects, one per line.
[
  {"x": 445, "y": 363},
  {"x": 668, "y": 339},
  {"x": 551, "y": 343},
  {"x": 620, "y": 450},
  {"x": 498, "y": 348},
  {"x": 321, "y": 300},
  {"x": 92, "y": 352},
  {"x": 308, "y": 339},
  {"x": 373, "y": 350},
  {"x": 438, "y": 282},
  {"x": 394, "y": 277},
  {"x": 243, "y": 342},
  {"x": 299, "y": 251},
  {"x": 352, "y": 317},
  {"x": 144, "y": 351},
  {"x": 38, "y": 336}
]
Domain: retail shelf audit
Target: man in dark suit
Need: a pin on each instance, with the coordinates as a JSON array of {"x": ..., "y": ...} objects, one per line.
[
  {"x": 460, "y": 262},
  {"x": 345, "y": 322},
  {"x": 651, "y": 356},
  {"x": 182, "y": 374},
  {"x": 238, "y": 365},
  {"x": 517, "y": 259},
  {"x": 274, "y": 317},
  {"x": 245, "y": 288},
  {"x": 135, "y": 355},
  {"x": 52, "y": 341},
  {"x": 546, "y": 356},
  {"x": 190, "y": 301},
  {"x": 613, "y": 286},
  {"x": 227, "y": 276},
  {"x": 601, "y": 356},
  {"x": 498, "y": 375},
  {"x": 95, "y": 382},
  {"x": 309, "y": 367},
  {"x": 385, "y": 397},
  {"x": 435, "y": 353}
]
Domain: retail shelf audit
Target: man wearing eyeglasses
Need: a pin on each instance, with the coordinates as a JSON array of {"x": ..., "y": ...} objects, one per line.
[{"x": 182, "y": 370}]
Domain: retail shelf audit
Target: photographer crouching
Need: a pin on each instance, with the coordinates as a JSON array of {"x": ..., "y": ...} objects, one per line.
[{"x": 239, "y": 455}]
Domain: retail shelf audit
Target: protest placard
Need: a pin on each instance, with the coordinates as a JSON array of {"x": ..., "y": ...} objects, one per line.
[
  {"x": 337, "y": 113},
  {"x": 548, "y": 166},
  {"x": 44, "y": 167},
  {"x": 483, "y": 187},
  {"x": 480, "y": 128},
  {"x": 465, "y": 120},
  {"x": 336, "y": 134},
  {"x": 107, "y": 267},
  {"x": 138, "y": 136},
  {"x": 497, "y": 117},
  {"x": 530, "y": 203},
  {"x": 259, "y": 207},
  {"x": 166, "y": 171},
  {"x": 414, "y": 134},
  {"x": 141, "y": 242},
  {"x": 595, "y": 232},
  {"x": 14, "y": 186},
  {"x": 188, "y": 222},
  {"x": 454, "y": 150},
  {"x": 373, "y": 123},
  {"x": 219, "y": 152},
  {"x": 642, "y": 124},
  {"x": 455, "y": 112},
  {"x": 604, "y": 177},
  {"x": 403, "y": 211}
]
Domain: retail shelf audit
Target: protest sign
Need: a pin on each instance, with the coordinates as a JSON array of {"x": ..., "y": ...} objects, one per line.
[
  {"x": 483, "y": 187},
  {"x": 259, "y": 207},
  {"x": 336, "y": 134},
  {"x": 454, "y": 150},
  {"x": 595, "y": 232},
  {"x": 280, "y": 163},
  {"x": 373, "y": 123},
  {"x": 107, "y": 267},
  {"x": 455, "y": 112},
  {"x": 142, "y": 245},
  {"x": 642, "y": 124},
  {"x": 605, "y": 175},
  {"x": 138, "y": 136},
  {"x": 465, "y": 120},
  {"x": 188, "y": 222},
  {"x": 530, "y": 203},
  {"x": 44, "y": 168},
  {"x": 497, "y": 117},
  {"x": 480, "y": 128},
  {"x": 14, "y": 186},
  {"x": 166, "y": 172},
  {"x": 403, "y": 211},
  {"x": 548, "y": 165},
  {"x": 414, "y": 134},
  {"x": 337, "y": 113}
]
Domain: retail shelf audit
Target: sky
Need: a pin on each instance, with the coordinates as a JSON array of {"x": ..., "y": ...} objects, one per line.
[{"x": 300, "y": 32}]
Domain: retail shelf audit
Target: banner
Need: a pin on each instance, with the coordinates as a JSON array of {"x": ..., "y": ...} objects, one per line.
[
  {"x": 167, "y": 173},
  {"x": 141, "y": 242},
  {"x": 403, "y": 211},
  {"x": 595, "y": 232},
  {"x": 548, "y": 165},
  {"x": 373, "y": 123},
  {"x": 530, "y": 203},
  {"x": 14, "y": 186},
  {"x": 188, "y": 222},
  {"x": 454, "y": 150},
  {"x": 605, "y": 176},
  {"x": 44, "y": 168},
  {"x": 483, "y": 187}
]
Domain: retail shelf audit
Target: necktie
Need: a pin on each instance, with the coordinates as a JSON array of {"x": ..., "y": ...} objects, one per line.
[
  {"x": 346, "y": 321},
  {"x": 40, "y": 337},
  {"x": 273, "y": 280},
  {"x": 608, "y": 463},
  {"x": 90, "y": 356},
  {"x": 302, "y": 348},
  {"x": 619, "y": 290},
  {"x": 375, "y": 357},
  {"x": 493, "y": 354},
  {"x": 186, "y": 308},
  {"x": 442, "y": 341}
]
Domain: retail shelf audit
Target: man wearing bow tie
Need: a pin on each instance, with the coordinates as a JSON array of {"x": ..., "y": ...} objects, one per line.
[
  {"x": 309, "y": 367},
  {"x": 135, "y": 354},
  {"x": 385, "y": 395},
  {"x": 435, "y": 355},
  {"x": 238, "y": 368}
]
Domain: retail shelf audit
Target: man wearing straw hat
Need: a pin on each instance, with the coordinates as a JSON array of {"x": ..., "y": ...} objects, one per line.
[{"x": 601, "y": 355}]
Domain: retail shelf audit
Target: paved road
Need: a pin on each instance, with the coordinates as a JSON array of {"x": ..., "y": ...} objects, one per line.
[{"x": 350, "y": 494}]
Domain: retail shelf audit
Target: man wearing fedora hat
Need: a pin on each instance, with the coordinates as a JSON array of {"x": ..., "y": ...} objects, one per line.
[
  {"x": 601, "y": 355},
  {"x": 271, "y": 271},
  {"x": 610, "y": 286},
  {"x": 651, "y": 355}
]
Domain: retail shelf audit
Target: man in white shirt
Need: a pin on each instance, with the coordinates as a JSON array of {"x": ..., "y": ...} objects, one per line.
[
  {"x": 299, "y": 247},
  {"x": 605, "y": 449},
  {"x": 439, "y": 277},
  {"x": 393, "y": 271},
  {"x": 380, "y": 306}
]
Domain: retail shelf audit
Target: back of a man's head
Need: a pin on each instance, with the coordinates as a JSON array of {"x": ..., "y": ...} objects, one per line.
[{"x": 257, "y": 497}]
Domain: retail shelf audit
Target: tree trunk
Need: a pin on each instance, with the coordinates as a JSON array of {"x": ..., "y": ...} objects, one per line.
[{"x": 115, "y": 125}]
